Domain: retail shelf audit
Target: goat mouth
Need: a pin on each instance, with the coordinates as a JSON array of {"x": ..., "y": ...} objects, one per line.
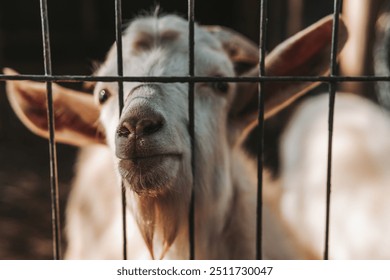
[
  {"x": 151, "y": 157},
  {"x": 150, "y": 174}
]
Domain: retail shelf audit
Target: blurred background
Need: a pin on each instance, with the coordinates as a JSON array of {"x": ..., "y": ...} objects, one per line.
[{"x": 81, "y": 33}]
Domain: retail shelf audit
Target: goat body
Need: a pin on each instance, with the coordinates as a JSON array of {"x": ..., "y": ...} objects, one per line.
[{"x": 360, "y": 179}]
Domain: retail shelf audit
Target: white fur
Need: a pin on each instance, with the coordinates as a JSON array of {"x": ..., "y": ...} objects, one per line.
[{"x": 360, "y": 208}]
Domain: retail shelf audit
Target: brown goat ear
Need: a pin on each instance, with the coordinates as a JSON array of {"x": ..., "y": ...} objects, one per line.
[
  {"x": 242, "y": 51},
  {"x": 305, "y": 54},
  {"x": 75, "y": 114}
]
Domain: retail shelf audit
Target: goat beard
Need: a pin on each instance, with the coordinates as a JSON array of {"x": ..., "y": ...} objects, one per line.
[{"x": 161, "y": 218}]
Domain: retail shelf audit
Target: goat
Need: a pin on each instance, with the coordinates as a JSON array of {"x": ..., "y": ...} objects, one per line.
[
  {"x": 148, "y": 147},
  {"x": 359, "y": 223},
  {"x": 359, "y": 219}
]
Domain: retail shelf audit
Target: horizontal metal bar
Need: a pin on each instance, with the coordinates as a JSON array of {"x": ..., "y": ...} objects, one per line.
[{"x": 195, "y": 79}]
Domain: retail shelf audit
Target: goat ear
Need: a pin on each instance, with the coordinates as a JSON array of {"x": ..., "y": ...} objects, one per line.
[
  {"x": 75, "y": 113},
  {"x": 305, "y": 54},
  {"x": 242, "y": 51}
]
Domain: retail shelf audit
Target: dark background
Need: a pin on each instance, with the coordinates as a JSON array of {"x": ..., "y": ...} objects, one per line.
[{"x": 81, "y": 32}]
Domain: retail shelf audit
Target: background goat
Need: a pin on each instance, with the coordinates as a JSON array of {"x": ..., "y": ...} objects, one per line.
[
  {"x": 359, "y": 220},
  {"x": 359, "y": 223},
  {"x": 149, "y": 146}
]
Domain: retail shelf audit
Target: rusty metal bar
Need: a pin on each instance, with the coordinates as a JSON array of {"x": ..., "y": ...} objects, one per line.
[
  {"x": 118, "y": 34},
  {"x": 55, "y": 208},
  {"x": 195, "y": 79},
  {"x": 260, "y": 130},
  {"x": 332, "y": 97},
  {"x": 191, "y": 125}
]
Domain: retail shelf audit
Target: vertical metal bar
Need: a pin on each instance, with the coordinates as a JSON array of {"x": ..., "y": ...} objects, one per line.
[
  {"x": 191, "y": 112},
  {"x": 260, "y": 128},
  {"x": 55, "y": 208},
  {"x": 332, "y": 97},
  {"x": 118, "y": 34}
]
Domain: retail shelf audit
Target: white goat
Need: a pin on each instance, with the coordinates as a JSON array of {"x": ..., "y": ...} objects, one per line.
[
  {"x": 360, "y": 208},
  {"x": 149, "y": 146}
]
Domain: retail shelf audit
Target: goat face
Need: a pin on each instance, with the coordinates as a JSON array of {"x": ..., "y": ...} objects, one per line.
[{"x": 151, "y": 138}]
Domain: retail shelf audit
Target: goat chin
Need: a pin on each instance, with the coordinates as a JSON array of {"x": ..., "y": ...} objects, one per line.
[{"x": 158, "y": 228}]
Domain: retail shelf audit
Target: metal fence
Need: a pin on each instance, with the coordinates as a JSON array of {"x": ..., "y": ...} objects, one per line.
[{"x": 332, "y": 80}]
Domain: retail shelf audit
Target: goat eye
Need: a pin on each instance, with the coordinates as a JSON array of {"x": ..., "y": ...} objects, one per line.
[
  {"x": 103, "y": 96},
  {"x": 221, "y": 86}
]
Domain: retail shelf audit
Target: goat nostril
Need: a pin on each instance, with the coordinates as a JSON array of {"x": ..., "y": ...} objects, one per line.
[
  {"x": 125, "y": 130},
  {"x": 142, "y": 127},
  {"x": 147, "y": 127}
]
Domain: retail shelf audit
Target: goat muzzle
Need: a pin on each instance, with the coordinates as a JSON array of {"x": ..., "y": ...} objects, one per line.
[{"x": 137, "y": 131}]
